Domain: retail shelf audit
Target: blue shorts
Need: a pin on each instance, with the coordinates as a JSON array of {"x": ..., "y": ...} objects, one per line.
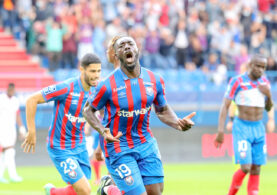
[
  {"x": 71, "y": 167},
  {"x": 137, "y": 168},
  {"x": 249, "y": 142}
]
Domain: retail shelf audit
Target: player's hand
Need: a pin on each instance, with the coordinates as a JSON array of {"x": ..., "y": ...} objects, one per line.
[
  {"x": 219, "y": 139},
  {"x": 270, "y": 126},
  {"x": 109, "y": 137},
  {"x": 229, "y": 126},
  {"x": 186, "y": 122},
  {"x": 98, "y": 154},
  {"x": 265, "y": 89},
  {"x": 29, "y": 143}
]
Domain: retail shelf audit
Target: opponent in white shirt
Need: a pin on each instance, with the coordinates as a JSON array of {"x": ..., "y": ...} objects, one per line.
[{"x": 9, "y": 117}]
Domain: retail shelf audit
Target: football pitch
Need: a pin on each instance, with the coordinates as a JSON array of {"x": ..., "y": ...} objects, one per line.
[{"x": 180, "y": 179}]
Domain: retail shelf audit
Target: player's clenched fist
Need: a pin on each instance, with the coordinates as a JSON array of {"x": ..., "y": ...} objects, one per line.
[{"x": 186, "y": 122}]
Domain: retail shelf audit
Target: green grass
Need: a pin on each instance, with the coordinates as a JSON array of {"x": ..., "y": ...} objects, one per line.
[{"x": 180, "y": 179}]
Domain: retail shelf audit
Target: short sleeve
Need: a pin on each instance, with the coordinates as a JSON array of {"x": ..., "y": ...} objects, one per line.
[
  {"x": 160, "y": 99},
  {"x": 232, "y": 89},
  {"x": 55, "y": 92},
  {"x": 99, "y": 99}
]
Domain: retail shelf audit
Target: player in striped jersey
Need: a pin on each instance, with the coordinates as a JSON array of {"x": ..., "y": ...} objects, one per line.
[
  {"x": 251, "y": 93},
  {"x": 66, "y": 144},
  {"x": 127, "y": 96}
]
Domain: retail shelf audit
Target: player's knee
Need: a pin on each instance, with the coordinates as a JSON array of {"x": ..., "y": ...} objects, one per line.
[
  {"x": 255, "y": 170},
  {"x": 246, "y": 168},
  {"x": 84, "y": 191}
]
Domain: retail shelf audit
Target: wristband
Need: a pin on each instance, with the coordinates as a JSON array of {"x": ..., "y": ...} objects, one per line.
[{"x": 231, "y": 118}]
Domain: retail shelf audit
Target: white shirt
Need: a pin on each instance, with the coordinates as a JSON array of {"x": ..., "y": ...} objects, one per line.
[{"x": 8, "y": 110}]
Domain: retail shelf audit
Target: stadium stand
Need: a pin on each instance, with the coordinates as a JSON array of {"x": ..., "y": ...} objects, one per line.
[{"x": 18, "y": 67}]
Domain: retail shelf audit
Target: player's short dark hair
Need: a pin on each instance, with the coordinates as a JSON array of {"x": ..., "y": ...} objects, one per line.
[
  {"x": 90, "y": 58},
  {"x": 11, "y": 85}
]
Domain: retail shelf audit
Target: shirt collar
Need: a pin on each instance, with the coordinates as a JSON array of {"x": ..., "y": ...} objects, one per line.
[{"x": 125, "y": 77}]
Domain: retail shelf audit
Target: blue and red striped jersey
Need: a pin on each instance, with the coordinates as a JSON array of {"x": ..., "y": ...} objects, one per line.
[
  {"x": 67, "y": 128},
  {"x": 245, "y": 92},
  {"x": 127, "y": 104}
]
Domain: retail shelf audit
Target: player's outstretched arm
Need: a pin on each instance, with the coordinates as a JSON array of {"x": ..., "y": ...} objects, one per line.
[
  {"x": 221, "y": 122},
  {"x": 31, "y": 108},
  {"x": 169, "y": 117},
  {"x": 90, "y": 115}
]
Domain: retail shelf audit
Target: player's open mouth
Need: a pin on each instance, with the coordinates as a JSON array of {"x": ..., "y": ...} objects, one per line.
[{"x": 129, "y": 56}]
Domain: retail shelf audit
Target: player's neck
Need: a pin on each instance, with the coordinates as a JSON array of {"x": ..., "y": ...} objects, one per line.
[
  {"x": 251, "y": 77},
  {"x": 132, "y": 73},
  {"x": 86, "y": 87}
]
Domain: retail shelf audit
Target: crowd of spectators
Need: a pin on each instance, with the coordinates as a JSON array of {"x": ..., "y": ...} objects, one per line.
[{"x": 213, "y": 36}]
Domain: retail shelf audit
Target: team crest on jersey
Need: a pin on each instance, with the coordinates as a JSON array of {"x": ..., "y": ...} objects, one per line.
[
  {"x": 72, "y": 174},
  {"x": 242, "y": 154},
  {"x": 49, "y": 89},
  {"x": 149, "y": 90},
  {"x": 129, "y": 180}
]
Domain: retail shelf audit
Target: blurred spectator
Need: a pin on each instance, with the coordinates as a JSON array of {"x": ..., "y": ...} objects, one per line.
[
  {"x": 54, "y": 43},
  {"x": 98, "y": 41},
  {"x": 220, "y": 73},
  {"x": 167, "y": 60},
  {"x": 258, "y": 34},
  {"x": 109, "y": 9},
  {"x": 212, "y": 63},
  {"x": 84, "y": 37},
  {"x": 181, "y": 43},
  {"x": 234, "y": 29},
  {"x": 69, "y": 51},
  {"x": 271, "y": 64},
  {"x": 151, "y": 49},
  {"x": 44, "y": 10},
  {"x": 9, "y": 14},
  {"x": 243, "y": 57},
  {"x": 195, "y": 51}
]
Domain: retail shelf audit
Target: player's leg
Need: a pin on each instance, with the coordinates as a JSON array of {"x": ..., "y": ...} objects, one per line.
[
  {"x": 242, "y": 152},
  {"x": 151, "y": 169},
  {"x": 2, "y": 167},
  {"x": 75, "y": 171},
  {"x": 126, "y": 175},
  {"x": 10, "y": 163},
  {"x": 154, "y": 189},
  {"x": 259, "y": 158},
  {"x": 254, "y": 180}
]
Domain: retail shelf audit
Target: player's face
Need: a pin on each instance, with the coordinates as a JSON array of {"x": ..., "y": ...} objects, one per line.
[
  {"x": 127, "y": 52},
  {"x": 10, "y": 91},
  {"x": 257, "y": 68},
  {"x": 92, "y": 74}
]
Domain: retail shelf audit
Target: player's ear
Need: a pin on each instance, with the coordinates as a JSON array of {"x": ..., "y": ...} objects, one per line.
[{"x": 81, "y": 68}]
